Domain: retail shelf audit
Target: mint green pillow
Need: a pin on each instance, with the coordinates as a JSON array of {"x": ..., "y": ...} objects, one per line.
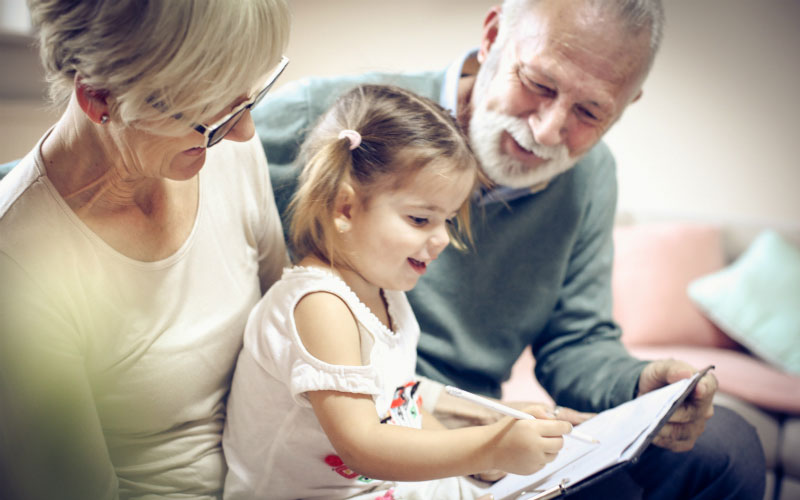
[{"x": 756, "y": 300}]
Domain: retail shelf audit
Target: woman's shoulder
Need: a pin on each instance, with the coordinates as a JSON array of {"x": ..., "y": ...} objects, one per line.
[
  {"x": 18, "y": 181},
  {"x": 31, "y": 213}
]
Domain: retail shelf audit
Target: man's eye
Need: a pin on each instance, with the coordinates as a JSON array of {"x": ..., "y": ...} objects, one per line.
[
  {"x": 534, "y": 86},
  {"x": 542, "y": 89},
  {"x": 585, "y": 113},
  {"x": 418, "y": 221}
]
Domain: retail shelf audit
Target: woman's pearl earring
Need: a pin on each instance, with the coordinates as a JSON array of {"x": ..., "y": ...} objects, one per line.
[
  {"x": 342, "y": 224},
  {"x": 104, "y": 119}
]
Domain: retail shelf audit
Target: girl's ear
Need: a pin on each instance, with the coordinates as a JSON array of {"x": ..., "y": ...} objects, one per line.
[
  {"x": 92, "y": 101},
  {"x": 343, "y": 208}
]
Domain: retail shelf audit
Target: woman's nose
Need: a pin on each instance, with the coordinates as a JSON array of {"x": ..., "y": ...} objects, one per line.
[{"x": 243, "y": 130}]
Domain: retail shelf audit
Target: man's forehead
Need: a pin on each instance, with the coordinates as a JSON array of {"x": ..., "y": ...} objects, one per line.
[{"x": 589, "y": 39}]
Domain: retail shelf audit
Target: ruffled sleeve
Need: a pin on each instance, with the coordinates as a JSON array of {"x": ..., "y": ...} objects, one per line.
[{"x": 311, "y": 374}]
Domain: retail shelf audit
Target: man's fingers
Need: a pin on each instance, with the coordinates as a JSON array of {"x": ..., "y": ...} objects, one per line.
[
  {"x": 706, "y": 387},
  {"x": 685, "y": 414},
  {"x": 690, "y": 411},
  {"x": 680, "y": 436},
  {"x": 677, "y": 370}
]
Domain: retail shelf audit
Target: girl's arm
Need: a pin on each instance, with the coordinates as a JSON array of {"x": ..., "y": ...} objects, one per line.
[{"x": 329, "y": 332}]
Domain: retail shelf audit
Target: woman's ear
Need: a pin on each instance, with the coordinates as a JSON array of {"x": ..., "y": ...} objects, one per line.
[
  {"x": 343, "y": 208},
  {"x": 93, "y": 102}
]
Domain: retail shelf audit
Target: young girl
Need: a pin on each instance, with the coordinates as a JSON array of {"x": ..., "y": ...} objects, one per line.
[{"x": 323, "y": 401}]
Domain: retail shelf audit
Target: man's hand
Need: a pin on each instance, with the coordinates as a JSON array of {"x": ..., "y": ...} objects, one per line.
[{"x": 689, "y": 420}]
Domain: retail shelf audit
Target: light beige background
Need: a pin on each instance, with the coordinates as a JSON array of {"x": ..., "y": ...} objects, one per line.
[{"x": 714, "y": 136}]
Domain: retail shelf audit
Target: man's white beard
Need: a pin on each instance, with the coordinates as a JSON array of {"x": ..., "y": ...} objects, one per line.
[{"x": 485, "y": 133}]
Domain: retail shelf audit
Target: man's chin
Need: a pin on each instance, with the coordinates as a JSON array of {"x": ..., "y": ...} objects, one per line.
[{"x": 518, "y": 177}]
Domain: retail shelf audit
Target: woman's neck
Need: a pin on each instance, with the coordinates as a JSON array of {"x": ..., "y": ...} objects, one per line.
[
  {"x": 145, "y": 218},
  {"x": 88, "y": 173}
]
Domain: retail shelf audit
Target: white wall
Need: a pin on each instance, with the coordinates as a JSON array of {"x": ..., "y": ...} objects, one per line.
[
  {"x": 713, "y": 137},
  {"x": 717, "y": 131}
]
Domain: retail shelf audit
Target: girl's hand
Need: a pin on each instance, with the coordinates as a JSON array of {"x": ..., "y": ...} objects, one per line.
[{"x": 525, "y": 446}]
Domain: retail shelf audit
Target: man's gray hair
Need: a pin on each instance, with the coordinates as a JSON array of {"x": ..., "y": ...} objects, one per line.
[{"x": 635, "y": 15}]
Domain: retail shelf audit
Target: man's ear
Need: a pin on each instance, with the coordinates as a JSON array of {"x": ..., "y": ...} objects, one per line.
[
  {"x": 490, "y": 27},
  {"x": 92, "y": 102}
]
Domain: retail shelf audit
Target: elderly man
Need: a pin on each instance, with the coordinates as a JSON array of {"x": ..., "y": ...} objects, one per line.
[{"x": 549, "y": 78}]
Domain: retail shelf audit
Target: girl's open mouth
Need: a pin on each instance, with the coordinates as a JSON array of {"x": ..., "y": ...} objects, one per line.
[{"x": 417, "y": 265}]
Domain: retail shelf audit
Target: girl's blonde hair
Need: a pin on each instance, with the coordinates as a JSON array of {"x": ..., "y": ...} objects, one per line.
[
  {"x": 160, "y": 59},
  {"x": 401, "y": 133}
]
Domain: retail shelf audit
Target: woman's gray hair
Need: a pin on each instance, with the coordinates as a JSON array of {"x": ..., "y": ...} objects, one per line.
[
  {"x": 158, "y": 59},
  {"x": 635, "y": 15}
]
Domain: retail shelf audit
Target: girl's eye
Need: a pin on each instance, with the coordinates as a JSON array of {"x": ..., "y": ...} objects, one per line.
[{"x": 418, "y": 221}]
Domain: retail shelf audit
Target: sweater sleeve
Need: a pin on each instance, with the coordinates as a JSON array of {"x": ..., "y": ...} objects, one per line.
[{"x": 579, "y": 357}]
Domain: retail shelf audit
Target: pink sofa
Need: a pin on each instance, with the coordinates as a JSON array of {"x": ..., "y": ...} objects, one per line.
[{"x": 654, "y": 263}]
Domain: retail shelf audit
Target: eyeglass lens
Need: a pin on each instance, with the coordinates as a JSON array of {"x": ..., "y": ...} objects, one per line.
[{"x": 219, "y": 133}]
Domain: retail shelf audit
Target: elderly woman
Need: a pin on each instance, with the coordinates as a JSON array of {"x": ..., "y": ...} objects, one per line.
[{"x": 134, "y": 239}]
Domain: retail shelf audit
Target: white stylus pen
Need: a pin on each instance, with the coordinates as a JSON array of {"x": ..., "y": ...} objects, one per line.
[{"x": 506, "y": 410}]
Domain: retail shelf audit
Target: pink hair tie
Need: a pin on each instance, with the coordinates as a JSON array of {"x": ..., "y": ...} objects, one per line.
[{"x": 353, "y": 136}]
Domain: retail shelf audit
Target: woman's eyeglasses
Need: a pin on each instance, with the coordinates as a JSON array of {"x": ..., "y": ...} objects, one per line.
[{"x": 217, "y": 131}]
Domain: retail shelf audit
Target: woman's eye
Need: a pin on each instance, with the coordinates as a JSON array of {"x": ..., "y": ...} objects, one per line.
[{"x": 418, "y": 221}]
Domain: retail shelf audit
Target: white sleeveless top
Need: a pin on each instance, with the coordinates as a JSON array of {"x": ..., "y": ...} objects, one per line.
[{"x": 273, "y": 443}]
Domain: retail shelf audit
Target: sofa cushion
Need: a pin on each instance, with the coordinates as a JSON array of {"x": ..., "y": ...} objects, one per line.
[
  {"x": 653, "y": 265},
  {"x": 756, "y": 300},
  {"x": 738, "y": 374},
  {"x": 790, "y": 447}
]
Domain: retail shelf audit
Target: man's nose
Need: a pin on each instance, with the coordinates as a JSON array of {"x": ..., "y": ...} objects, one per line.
[{"x": 549, "y": 123}]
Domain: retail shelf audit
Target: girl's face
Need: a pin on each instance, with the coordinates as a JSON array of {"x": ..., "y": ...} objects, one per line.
[{"x": 397, "y": 233}]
